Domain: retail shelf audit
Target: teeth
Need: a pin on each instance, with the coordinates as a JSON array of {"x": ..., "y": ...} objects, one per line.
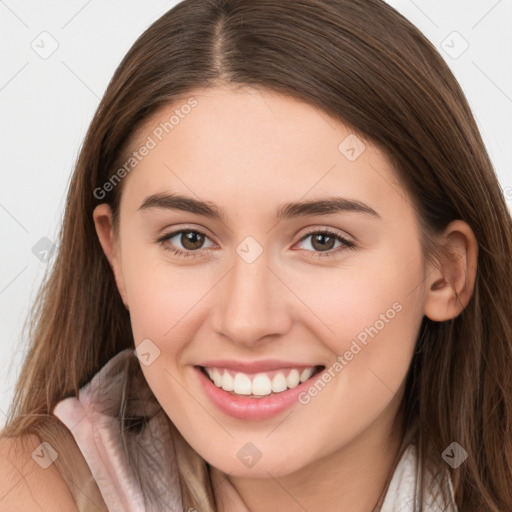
[
  {"x": 279, "y": 383},
  {"x": 292, "y": 381},
  {"x": 217, "y": 377},
  {"x": 261, "y": 384},
  {"x": 304, "y": 376},
  {"x": 242, "y": 384},
  {"x": 227, "y": 382}
]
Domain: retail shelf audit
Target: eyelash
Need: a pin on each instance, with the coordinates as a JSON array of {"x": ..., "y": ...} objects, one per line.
[{"x": 317, "y": 254}]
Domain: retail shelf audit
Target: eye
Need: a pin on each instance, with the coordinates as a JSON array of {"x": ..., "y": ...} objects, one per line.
[
  {"x": 323, "y": 242},
  {"x": 190, "y": 239}
]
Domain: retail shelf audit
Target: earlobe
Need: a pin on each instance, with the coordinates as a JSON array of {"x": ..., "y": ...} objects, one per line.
[
  {"x": 102, "y": 216},
  {"x": 450, "y": 283}
]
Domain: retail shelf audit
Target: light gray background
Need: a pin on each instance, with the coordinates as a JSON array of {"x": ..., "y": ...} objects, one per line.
[{"x": 47, "y": 102}]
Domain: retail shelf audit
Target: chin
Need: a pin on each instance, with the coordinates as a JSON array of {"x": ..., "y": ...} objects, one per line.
[{"x": 261, "y": 466}]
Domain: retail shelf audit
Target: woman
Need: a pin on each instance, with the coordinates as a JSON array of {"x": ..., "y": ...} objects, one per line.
[{"x": 272, "y": 370}]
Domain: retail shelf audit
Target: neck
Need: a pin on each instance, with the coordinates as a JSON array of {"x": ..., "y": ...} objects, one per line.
[{"x": 353, "y": 478}]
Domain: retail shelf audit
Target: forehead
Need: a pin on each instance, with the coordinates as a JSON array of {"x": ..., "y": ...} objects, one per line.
[{"x": 252, "y": 147}]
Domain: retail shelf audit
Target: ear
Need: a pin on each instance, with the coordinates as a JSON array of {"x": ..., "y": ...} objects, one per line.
[
  {"x": 450, "y": 284},
  {"x": 102, "y": 216}
]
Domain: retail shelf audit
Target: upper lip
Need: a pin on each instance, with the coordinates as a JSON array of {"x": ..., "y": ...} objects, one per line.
[{"x": 265, "y": 365}]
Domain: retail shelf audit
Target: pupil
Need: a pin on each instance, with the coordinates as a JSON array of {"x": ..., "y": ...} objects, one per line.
[
  {"x": 191, "y": 240},
  {"x": 318, "y": 239}
]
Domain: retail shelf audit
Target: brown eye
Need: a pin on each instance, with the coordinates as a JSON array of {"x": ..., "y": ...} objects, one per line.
[
  {"x": 323, "y": 243},
  {"x": 192, "y": 240},
  {"x": 185, "y": 242}
]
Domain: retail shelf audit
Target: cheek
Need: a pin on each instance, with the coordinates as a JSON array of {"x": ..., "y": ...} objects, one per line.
[
  {"x": 377, "y": 296},
  {"x": 375, "y": 315},
  {"x": 379, "y": 313},
  {"x": 161, "y": 295}
]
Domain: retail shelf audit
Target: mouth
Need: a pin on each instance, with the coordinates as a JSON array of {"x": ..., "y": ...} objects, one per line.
[
  {"x": 261, "y": 384},
  {"x": 255, "y": 396}
]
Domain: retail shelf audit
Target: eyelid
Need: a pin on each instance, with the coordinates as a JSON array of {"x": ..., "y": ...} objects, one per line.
[
  {"x": 346, "y": 243},
  {"x": 165, "y": 237},
  {"x": 309, "y": 231},
  {"x": 166, "y": 231}
]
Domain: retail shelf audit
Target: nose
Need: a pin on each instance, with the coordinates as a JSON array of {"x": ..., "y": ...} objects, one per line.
[{"x": 252, "y": 305}]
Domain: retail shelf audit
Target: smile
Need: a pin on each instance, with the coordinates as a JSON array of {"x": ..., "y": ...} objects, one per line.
[
  {"x": 259, "y": 384},
  {"x": 254, "y": 396}
]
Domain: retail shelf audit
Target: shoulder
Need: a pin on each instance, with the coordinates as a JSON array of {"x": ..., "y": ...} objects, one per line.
[{"x": 28, "y": 479}]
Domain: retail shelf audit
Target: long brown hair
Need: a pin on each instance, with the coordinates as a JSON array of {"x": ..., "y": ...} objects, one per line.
[{"x": 365, "y": 64}]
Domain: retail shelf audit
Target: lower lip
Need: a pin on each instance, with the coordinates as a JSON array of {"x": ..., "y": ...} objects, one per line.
[{"x": 245, "y": 408}]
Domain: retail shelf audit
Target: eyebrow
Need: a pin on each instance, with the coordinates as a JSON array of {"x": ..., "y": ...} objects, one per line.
[{"x": 325, "y": 206}]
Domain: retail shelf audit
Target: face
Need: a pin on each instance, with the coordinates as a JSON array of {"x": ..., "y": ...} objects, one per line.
[{"x": 317, "y": 305}]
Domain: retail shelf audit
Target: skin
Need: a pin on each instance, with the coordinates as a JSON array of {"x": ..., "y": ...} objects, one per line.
[{"x": 250, "y": 151}]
